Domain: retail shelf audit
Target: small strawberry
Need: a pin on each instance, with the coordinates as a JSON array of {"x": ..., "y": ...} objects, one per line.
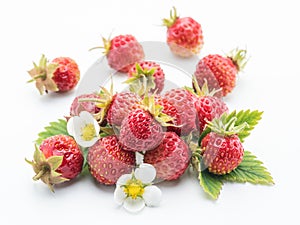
[
  {"x": 171, "y": 158},
  {"x": 184, "y": 35},
  {"x": 184, "y": 104},
  {"x": 142, "y": 129},
  {"x": 57, "y": 160},
  {"x": 221, "y": 71},
  {"x": 108, "y": 161},
  {"x": 81, "y": 104},
  {"x": 122, "y": 52},
  {"x": 170, "y": 110},
  {"x": 61, "y": 75},
  {"x": 146, "y": 77},
  {"x": 221, "y": 148},
  {"x": 115, "y": 107},
  {"x": 208, "y": 106}
]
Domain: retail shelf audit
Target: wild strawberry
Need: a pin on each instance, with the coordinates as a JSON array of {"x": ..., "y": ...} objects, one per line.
[
  {"x": 184, "y": 35},
  {"x": 57, "y": 160},
  {"x": 142, "y": 129},
  {"x": 108, "y": 161},
  {"x": 184, "y": 104},
  {"x": 207, "y": 105},
  {"x": 146, "y": 77},
  {"x": 171, "y": 158},
  {"x": 170, "y": 110},
  {"x": 122, "y": 52},
  {"x": 221, "y": 71},
  {"x": 115, "y": 107},
  {"x": 61, "y": 75},
  {"x": 80, "y": 103},
  {"x": 221, "y": 148}
]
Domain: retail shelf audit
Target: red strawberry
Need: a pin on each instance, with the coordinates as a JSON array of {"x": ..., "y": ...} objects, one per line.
[
  {"x": 221, "y": 71},
  {"x": 147, "y": 72},
  {"x": 171, "y": 158},
  {"x": 108, "y": 161},
  {"x": 184, "y": 104},
  {"x": 222, "y": 154},
  {"x": 170, "y": 110},
  {"x": 80, "y": 104},
  {"x": 58, "y": 160},
  {"x": 140, "y": 131},
  {"x": 115, "y": 107},
  {"x": 208, "y": 106},
  {"x": 222, "y": 149},
  {"x": 184, "y": 35},
  {"x": 61, "y": 75},
  {"x": 122, "y": 52}
]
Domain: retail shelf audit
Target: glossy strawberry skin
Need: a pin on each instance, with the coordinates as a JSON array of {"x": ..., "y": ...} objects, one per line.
[
  {"x": 124, "y": 51},
  {"x": 185, "y": 37},
  {"x": 171, "y": 158},
  {"x": 208, "y": 108},
  {"x": 67, "y": 75},
  {"x": 63, "y": 145},
  {"x": 140, "y": 131},
  {"x": 219, "y": 71},
  {"x": 120, "y": 106},
  {"x": 108, "y": 161},
  {"x": 159, "y": 75},
  {"x": 77, "y": 106},
  {"x": 184, "y": 104},
  {"x": 221, "y": 154}
]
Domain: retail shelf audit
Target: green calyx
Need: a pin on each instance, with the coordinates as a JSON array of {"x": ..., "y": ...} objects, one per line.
[
  {"x": 42, "y": 75},
  {"x": 142, "y": 81},
  {"x": 239, "y": 58},
  {"x": 202, "y": 91},
  {"x": 106, "y": 46},
  {"x": 148, "y": 103},
  {"x": 226, "y": 126},
  {"x": 168, "y": 22},
  {"x": 45, "y": 169}
]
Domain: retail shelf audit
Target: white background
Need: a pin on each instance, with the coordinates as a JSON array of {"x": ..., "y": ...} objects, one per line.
[{"x": 269, "y": 30}]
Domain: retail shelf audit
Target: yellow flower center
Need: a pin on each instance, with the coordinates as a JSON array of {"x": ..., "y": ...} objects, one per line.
[
  {"x": 134, "y": 188},
  {"x": 88, "y": 132}
]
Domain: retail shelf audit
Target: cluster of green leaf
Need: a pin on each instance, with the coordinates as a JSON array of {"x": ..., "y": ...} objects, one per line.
[{"x": 250, "y": 170}]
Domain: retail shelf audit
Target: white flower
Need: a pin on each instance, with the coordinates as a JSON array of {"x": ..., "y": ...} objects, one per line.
[
  {"x": 135, "y": 191},
  {"x": 84, "y": 128}
]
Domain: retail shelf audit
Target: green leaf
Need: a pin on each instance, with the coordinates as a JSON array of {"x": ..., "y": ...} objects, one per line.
[
  {"x": 250, "y": 117},
  {"x": 55, "y": 128},
  {"x": 211, "y": 184},
  {"x": 250, "y": 170}
]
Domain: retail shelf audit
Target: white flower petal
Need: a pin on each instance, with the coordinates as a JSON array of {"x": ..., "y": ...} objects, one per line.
[
  {"x": 70, "y": 126},
  {"x": 97, "y": 127},
  {"x": 146, "y": 173},
  {"x": 119, "y": 195},
  {"x": 86, "y": 117},
  {"x": 152, "y": 195},
  {"x": 134, "y": 205},
  {"x": 139, "y": 158},
  {"x": 86, "y": 144},
  {"x": 123, "y": 179}
]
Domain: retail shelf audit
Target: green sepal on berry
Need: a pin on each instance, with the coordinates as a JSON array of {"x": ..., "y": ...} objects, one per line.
[
  {"x": 106, "y": 46},
  {"x": 42, "y": 75},
  {"x": 168, "y": 22},
  {"x": 148, "y": 103},
  {"x": 45, "y": 169},
  {"x": 239, "y": 58},
  {"x": 240, "y": 123},
  {"x": 250, "y": 170},
  {"x": 142, "y": 81}
]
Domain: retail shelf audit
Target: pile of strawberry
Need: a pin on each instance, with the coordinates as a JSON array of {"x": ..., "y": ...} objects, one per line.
[{"x": 170, "y": 129}]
